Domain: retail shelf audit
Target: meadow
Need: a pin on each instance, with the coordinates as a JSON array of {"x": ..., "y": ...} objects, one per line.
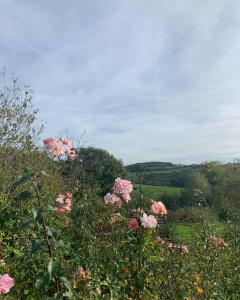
[{"x": 155, "y": 191}]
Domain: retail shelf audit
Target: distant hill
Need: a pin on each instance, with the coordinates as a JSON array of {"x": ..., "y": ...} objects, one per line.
[{"x": 161, "y": 173}]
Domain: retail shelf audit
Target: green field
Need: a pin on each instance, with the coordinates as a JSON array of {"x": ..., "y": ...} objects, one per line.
[
  {"x": 155, "y": 191},
  {"x": 184, "y": 231}
]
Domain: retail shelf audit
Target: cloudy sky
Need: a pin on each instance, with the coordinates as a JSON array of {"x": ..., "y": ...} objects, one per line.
[{"x": 148, "y": 80}]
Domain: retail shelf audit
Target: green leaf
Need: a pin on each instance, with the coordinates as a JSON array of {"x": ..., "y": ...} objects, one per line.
[
  {"x": 26, "y": 224},
  {"x": 68, "y": 294},
  {"x": 24, "y": 195},
  {"x": 36, "y": 213},
  {"x": 17, "y": 252},
  {"x": 37, "y": 185},
  {"x": 38, "y": 282},
  {"x": 43, "y": 282},
  {"x": 43, "y": 173},
  {"x": 50, "y": 208},
  {"x": 24, "y": 178},
  {"x": 36, "y": 246},
  {"x": 67, "y": 283},
  {"x": 50, "y": 268},
  {"x": 50, "y": 231},
  {"x": 60, "y": 244}
]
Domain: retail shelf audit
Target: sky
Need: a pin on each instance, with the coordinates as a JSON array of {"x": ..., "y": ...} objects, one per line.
[{"x": 147, "y": 80}]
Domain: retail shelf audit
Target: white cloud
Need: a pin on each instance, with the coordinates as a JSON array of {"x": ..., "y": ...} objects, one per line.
[{"x": 147, "y": 80}]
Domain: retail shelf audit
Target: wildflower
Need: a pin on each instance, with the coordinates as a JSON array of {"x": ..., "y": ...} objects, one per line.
[
  {"x": 197, "y": 278},
  {"x": 122, "y": 186},
  {"x": 160, "y": 241},
  {"x": 98, "y": 291},
  {"x": 199, "y": 290},
  {"x": 184, "y": 249},
  {"x": 83, "y": 274},
  {"x": 65, "y": 203},
  {"x": 218, "y": 242},
  {"x": 112, "y": 199},
  {"x": 133, "y": 224},
  {"x": 170, "y": 245},
  {"x": 148, "y": 221},
  {"x": 2, "y": 263},
  {"x": 158, "y": 208},
  {"x": 6, "y": 283},
  {"x": 115, "y": 217},
  {"x": 138, "y": 211}
]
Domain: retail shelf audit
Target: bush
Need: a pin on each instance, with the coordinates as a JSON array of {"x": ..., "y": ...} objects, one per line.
[{"x": 192, "y": 215}]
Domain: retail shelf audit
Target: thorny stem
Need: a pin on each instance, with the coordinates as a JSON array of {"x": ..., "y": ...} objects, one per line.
[
  {"x": 46, "y": 236},
  {"x": 43, "y": 223}
]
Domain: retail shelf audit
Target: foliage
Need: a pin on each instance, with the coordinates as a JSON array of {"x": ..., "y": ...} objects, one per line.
[
  {"x": 90, "y": 252},
  {"x": 98, "y": 167},
  {"x": 17, "y": 115}
]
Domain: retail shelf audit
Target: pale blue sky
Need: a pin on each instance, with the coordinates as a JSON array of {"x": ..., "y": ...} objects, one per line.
[{"x": 147, "y": 80}]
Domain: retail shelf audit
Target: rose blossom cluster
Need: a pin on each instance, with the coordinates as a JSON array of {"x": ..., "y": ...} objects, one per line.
[
  {"x": 6, "y": 283},
  {"x": 59, "y": 147},
  {"x": 64, "y": 203},
  {"x": 123, "y": 188},
  {"x": 147, "y": 221},
  {"x": 121, "y": 192},
  {"x": 218, "y": 242}
]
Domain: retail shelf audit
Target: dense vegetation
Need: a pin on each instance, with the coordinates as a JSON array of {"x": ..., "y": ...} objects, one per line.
[{"x": 61, "y": 239}]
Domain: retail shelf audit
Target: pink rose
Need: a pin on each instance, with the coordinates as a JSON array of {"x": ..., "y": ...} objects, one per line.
[
  {"x": 65, "y": 203},
  {"x": 6, "y": 283},
  {"x": 133, "y": 224},
  {"x": 122, "y": 186},
  {"x": 112, "y": 199},
  {"x": 148, "y": 221},
  {"x": 158, "y": 208}
]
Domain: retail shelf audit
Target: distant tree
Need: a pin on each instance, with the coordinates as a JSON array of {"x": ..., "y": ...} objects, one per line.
[
  {"x": 97, "y": 167},
  {"x": 225, "y": 187},
  {"x": 18, "y": 130},
  {"x": 17, "y": 114},
  {"x": 195, "y": 181}
]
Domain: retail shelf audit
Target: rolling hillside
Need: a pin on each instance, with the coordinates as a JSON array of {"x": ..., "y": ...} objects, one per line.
[{"x": 160, "y": 173}]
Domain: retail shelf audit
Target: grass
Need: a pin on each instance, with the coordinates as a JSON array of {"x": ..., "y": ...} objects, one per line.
[
  {"x": 184, "y": 231},
  {"x": 155, "y": 191}
]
